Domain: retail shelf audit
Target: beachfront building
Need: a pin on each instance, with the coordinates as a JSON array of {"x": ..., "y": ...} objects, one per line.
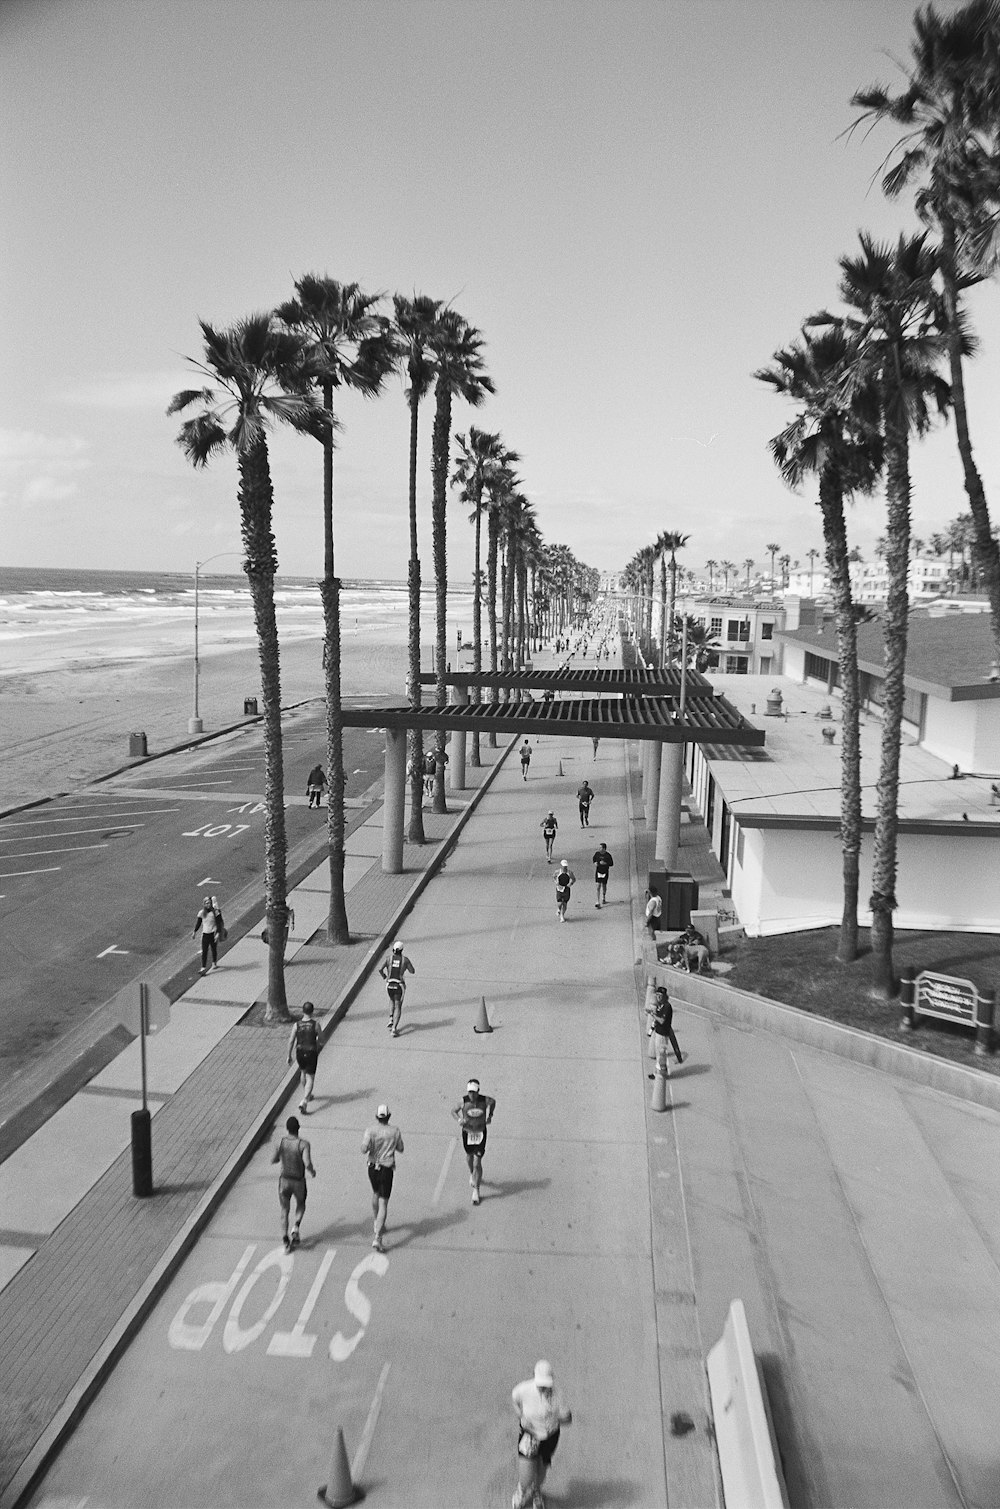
[
  {"x": 774, "y": 814},
  {"x": 743, "y": 630}
]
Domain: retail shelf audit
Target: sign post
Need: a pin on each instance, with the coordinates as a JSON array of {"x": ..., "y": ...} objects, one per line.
[{"x": 142, "y": 1142}]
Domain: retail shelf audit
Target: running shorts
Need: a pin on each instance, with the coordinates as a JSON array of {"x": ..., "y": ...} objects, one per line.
[
  {"x": 474, "y": 1142},
  {"x": 380, "y": 1180},
  {"x": 306, "y": 1061},
  {"x": 287, "y": 1188}
]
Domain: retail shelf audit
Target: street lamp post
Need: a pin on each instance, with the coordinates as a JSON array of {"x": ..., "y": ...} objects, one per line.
[{"x": 195, "y": 725}]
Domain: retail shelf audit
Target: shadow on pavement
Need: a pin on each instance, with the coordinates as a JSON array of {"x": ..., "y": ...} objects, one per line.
[
  {"x": 414, "y": 1230},
  {"x": 499, "y": 1189},
  {"x": 442, "y": 1021},
  {"x": 324, "y": 1102},
  {"x": 593, "y": 1493}
]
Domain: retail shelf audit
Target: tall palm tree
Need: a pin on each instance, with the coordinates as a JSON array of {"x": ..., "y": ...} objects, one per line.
[
  {"x": 350, "y": 346},
  {"x": 896, "y": 347},
  {"x": 837, "y": 440},
  {"x": 949, "y": 112},
  {"x": 784, "y": 561},
  {"x": 414, "y": 320},
  {"x": 500, "y": 485},
  {"x": 772, "y": 551},
  {"x": 726, "y": 567},
  {"x": 259, "y": 378},
  {"x": 711, "y": 568},
  {"x": 479, "y": 455},
  {"x": 459, "y": 372},
  {"x": 748, "y": 567},
  {"x": 672, "y": 541},
  {"x": 813, "y": 556}
]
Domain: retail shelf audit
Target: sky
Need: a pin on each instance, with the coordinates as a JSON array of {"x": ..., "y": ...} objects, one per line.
[{"x": 636, "y": 203}]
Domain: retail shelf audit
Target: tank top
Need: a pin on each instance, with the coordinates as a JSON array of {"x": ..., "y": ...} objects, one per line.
[
  {"x": 292, "y": 1162},
  {"x": 306, "y": 1036}
]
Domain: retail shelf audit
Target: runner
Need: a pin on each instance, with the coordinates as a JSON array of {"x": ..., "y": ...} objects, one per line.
[
  {"x": 380, "y": 1145},
  {"x": 295, "y": 1156},
  {"x": 305, "y": 1044},
  {"x": 603, "y": 864},
  {"x": 585, "y": 796},
  {"x": 565, "y": 879},
  {"x": 549, "y": 826},
  {"x": 394, "y": 967},
  {"x": 525, "y": 759},
  {"x": 541, "y": 1413},
  {"x": 475, "y": 1114}
]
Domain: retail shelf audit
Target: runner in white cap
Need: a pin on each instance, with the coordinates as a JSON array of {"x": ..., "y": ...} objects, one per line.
[
  {"x": 380, "y": 1145},
  {"x": 565, "y": 879},
  {"x": 541, "y": 1413},
  {"x": 475, "y": 1114},
  {"x": 393, "y": 968}
]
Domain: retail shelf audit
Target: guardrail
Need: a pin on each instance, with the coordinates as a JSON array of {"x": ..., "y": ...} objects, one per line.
[{"x": 744, "y": 1432}]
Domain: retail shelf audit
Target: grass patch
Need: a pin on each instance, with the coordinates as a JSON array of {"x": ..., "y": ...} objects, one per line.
[{"x": 801, "y": 970}]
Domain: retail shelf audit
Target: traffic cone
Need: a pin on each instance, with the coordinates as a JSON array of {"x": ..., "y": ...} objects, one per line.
[
  {"x": 561, "y": 771},
  {"x": 482, "y": 1022},
  {"x": 339, "y": 1491},
  {"x": 659, "y": 1100}
]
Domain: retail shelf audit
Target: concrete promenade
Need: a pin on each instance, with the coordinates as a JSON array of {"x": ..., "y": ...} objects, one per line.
[{"x": 854, "y": 1212}]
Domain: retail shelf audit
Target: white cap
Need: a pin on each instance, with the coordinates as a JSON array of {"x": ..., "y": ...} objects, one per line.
[
  {"x": 564, "y": 863},
  {"x": 382, "y": 1114},
  {"x": 543, "y": 1374},
  {"x": 397, "y": 947},
  {"x": 472, "y": 1085}
]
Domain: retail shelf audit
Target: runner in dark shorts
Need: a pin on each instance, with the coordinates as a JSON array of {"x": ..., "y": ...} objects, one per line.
[
  {"x": 295, "y": 1156},
  {"x": 380, "y": 1145},
  {"x": 305, "y": 1044},
  {"x": 475, "y": 1114}
]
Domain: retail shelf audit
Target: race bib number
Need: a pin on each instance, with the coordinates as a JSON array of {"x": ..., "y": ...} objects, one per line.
[{"x": 475, "y": 1137}]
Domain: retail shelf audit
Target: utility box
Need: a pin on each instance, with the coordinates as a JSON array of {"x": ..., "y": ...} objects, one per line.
[
  {"x": 681, "y": 901},
  {"x": 137, "y": 746},
  {"x": 249, "y": 707}
]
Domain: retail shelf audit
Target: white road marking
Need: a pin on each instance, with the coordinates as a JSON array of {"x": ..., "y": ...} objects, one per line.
[
  {"x": 71, "y": 833},
  {"x": 78, "y": 849},
  {"x": 49, "y": 870},
  {"x": 364, "y": 1445},
  {"x": 442, "y": 1176},
  {"x": 113, "y": 949},
  {"x": 90, "y": 811},
  {"x": 208, "y": 880},
  {"x": 295, "y": 1343}
]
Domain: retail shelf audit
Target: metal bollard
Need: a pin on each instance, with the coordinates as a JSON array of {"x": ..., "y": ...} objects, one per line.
[
  {"x": 142, "y": 1154},
  {"x": 907, "y": 993},
  {"x": 984, "y": 1022}
]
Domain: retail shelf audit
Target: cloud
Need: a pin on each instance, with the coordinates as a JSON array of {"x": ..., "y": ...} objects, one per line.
[
  {"x": 28, "y": 448},
  {"x": 40, "y": 469},
  {"x": 135, "y": 392}
]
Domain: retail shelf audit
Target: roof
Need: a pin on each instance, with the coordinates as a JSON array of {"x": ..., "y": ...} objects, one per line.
[
  {"x": 947, "y": 656},
  {"x": 666, "y": 682}
]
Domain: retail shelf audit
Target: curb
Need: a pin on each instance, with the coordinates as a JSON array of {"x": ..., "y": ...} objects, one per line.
[{"x": 26, "y": 1478}]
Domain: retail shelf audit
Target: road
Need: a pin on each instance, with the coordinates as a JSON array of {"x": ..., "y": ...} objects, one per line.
[{"x": 98, "y": 885}]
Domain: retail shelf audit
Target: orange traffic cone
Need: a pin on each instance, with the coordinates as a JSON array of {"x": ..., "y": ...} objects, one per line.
[
  {"x": 339, "y": 1491},
  {"x": 560, "y": 767},
  {"x": 482, "y": 1022},
  {"x": 659, "y": 1100}
]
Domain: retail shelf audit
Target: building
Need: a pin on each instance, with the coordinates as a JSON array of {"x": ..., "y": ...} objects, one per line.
[{"x": 742, "y": 630}]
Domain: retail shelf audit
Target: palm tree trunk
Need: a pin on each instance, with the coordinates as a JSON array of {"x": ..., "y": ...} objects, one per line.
[
  {"x": 493, "y": 536},
  {"x": 987, "y": 548},
  {"x": 338, "y": 930},
  {"x": 475, "y": 759},
  {"x": 673, "y": 605},
  {"x": 831, "y": 504},
  {"x": 439, "y": 496},
  {"x": 256, "y": 502},
  {"x": 663, "y": 611},
  {"x": 415, "y": 831},
  {"x": 883, "y": 900}
]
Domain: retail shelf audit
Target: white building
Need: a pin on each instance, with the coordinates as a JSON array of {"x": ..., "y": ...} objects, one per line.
[{"x": 743, "y": 630}]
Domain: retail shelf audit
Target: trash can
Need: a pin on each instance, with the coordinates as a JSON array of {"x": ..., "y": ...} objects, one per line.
[
  {"x": 682, "y": 900},
  {"x": 249, "y": 707},
  {"x": 137, "y": 745}
]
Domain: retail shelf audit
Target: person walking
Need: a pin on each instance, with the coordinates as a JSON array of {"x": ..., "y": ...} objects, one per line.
[
  {"x": 661, "y": 1014},
  {"x": 541, "y": 1414},
  {"x": 603, "y": 864},
  {"x": 380, "y": 1145},
  {"x": 550, "y": 827},
  {"x": 474, "y": 1114},
  {"x": 393, "y": 969},
  {"x": 584, "y": 797},
  {"x": 315, "y": 784},
  {"x": 305, "y": 1044},
  {"x": 430, "y": 769},
  {"x": 210, "y": 924},
  {"x": 595, "y": 742},
  {"x": 295, "y": 1156},
  {"x": 525, "y": 759},
  {"x": 565, "y": 880}
]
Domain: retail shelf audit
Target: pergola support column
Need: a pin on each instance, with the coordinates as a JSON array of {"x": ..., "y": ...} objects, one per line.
[
  {"x": 394, "y": 801},
  {"x": 668, "y": 815},
  {"x": 456, "y": 764},
  {"x": 652, "y": 786}
]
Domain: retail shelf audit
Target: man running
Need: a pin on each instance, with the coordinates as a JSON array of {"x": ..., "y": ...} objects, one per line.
[
  {"x": 565, "y": 879},
  {"x": 603, "y": 864},
  {"x": 584, "y": 797},
  {"x": 549, "y": 826},
  {"x": 474, "y": 1114},
  {"x": 393, "y": 968},
  {"x": 305, "y": 1044},
  {"x": 661, "y": 1013},
  {"x": 525, "y": 759},
  {"x": 380, "y": 1145},
  {"x": 295, "y": 1156},
  {"x": 541, "y": 1413}
]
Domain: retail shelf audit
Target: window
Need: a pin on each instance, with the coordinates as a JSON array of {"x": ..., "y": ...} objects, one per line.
[
  {"x": 733, "y": 629},
  {"x": 767, "y": 631},
  {"x": 745, "y": 631},
  {"x": 715, "y": 626},
  {"x": 765, "y": 665},
  {"x": 736, "y": 665}
]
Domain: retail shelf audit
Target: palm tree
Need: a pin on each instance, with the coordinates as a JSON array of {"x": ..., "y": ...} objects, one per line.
[
  {"x": 672, "y": 541},
  {"x": 349, "y": 347},
  {"x": 784, "y": 561},
  {"x": 726, "y": 568},
  {"x": 259, "y": 378},
  {"x": 896, "y": 347},
  {"x": 500, "y": 485},
  {"x": 949, "y": 149},
  {"x": 711, "y": 568},
  {"x": 479, "y": 456},
  {"x": 415, "y": 318},
  {"x": 702, "y": 644},
  {"x": 772, "y": 551},
  {"x": 837, "y": 441},
  {"x": 748, "y": 566},
  {"x": 457, "y": 350},
  {"x": 813, "y": 556}
]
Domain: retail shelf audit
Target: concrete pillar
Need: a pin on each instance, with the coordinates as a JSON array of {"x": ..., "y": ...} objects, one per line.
[
  {"x": 645, "y": 750},
  {"x": 393, "y": 804},
  {"x": 652, "y": 785},
  {"x": 668, "y": 814},
  {"x": 456, "y": 764}
]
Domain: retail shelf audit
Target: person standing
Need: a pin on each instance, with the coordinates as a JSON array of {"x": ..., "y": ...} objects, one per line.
[
  {"x": 474, "y": 1114},
  {"x": 541, "y": 1414},
  {"x": 525, "y": 759},
  {"x": 305, "y": 1044},
  {"x": 584, "y": 797},
  {"x": 565, "y": 880},
  {"x": 315, "y": 784},
  {"x": 549, "y": 826},
  {"x": 380, "y": 1145},
  {"x": 654, "y": 911},
  {"x": 393, "y": 969},
  {"x": 295, "y": 1156},
  {"x": 209, "y": 923},
  {"x": 661, "y": 1014},
  {"x": 603, "y": 864}
]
